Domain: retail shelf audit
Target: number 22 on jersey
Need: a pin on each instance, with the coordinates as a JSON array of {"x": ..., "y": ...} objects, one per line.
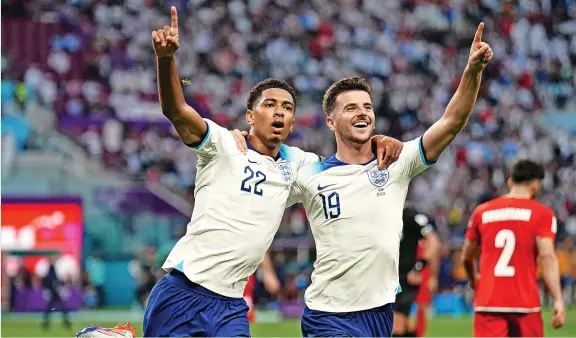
[
  {"x": 251, "y": 184},
  {"x": 505, "y": 240}
]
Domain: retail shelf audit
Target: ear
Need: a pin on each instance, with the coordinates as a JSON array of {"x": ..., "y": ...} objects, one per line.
[
  {"x": 250, "y": 117},
  {"x": 510, "y": 183},
  {"x": 291, "y": 126},
  {"x": 331, "y": 123},
  {"x": 535, "y": 186}
]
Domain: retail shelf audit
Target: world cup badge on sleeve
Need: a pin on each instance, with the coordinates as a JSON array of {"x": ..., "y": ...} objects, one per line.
[
  {"x": 378, "y": 177},
  {"x": 286, "y": 171}
]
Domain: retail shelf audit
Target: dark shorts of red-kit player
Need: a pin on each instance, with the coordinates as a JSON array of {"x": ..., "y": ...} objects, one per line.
[{"x": 497, "y": 324}]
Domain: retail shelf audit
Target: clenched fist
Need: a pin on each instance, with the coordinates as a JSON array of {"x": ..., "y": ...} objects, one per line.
[{"x": 166, "y": 41}]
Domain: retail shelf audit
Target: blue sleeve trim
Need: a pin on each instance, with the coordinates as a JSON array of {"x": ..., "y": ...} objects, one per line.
[
  {"x": 193, "y": 146},
  {"x": 422, "y": 154}
]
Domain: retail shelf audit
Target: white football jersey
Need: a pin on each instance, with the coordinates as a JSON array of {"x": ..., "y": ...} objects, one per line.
[
  {"x": 355, "y": 212},
  {"x": 240, "y": 200}
]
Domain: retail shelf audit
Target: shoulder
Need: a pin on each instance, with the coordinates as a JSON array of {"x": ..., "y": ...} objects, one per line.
[
  {"x": 488, "y": 205},
  {"x": 297, "y": 155}
]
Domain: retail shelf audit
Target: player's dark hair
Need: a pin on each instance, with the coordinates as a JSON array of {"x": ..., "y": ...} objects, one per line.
[
  {"x": 525, "y": 171},
  {"x": 339, "y": 87},
  {"x": 261, "y": 86}
]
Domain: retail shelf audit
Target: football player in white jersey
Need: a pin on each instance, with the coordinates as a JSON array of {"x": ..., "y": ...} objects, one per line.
[
  {"x": 355, "y": 209},
  {"x": 240, "y": 200}
]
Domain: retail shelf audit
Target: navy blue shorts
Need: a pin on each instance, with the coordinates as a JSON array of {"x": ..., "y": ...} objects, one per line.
[
  {"x": 178, "y": 307},
  {"x": 375, "y": 322}
]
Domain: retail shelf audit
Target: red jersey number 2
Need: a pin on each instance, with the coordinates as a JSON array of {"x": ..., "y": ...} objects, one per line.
[{"x": 505, "y": 240}]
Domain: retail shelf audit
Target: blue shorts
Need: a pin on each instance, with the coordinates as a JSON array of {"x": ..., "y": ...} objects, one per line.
[
  {"x": 375, "y": 322},
  {"x": 178, "y": 307}
]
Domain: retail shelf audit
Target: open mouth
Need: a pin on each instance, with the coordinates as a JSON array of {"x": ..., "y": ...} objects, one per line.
[
  {"x": 278, "y": 124},
  {"x": 361, "y": 124}
]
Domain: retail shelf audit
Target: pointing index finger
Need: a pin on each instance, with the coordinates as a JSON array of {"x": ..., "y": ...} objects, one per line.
[
  {"x": 478, "y": 35},
  {"x": 174, "y": 17}
]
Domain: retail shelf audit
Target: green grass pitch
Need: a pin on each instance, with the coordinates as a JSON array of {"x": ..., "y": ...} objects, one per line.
[{"x": 18, "y": 326}]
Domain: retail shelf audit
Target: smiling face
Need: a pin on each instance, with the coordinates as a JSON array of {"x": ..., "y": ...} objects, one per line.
[
  {"x": 272, "y": 116},
  {"x": 352, "y": 118}
]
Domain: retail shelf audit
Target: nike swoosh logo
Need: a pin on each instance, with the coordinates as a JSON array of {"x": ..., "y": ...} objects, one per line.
[
  {"x": 324, "y": 187},
  {"x": 252, "y": 162}
]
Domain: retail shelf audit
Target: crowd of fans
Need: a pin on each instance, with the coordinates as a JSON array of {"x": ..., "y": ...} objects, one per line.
[{"x": 99, "y": 79}]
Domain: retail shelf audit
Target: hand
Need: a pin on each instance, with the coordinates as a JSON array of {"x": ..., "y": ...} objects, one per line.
[
  {"x": 271, "y": 284},
  {"x": 240, "y": 138},
  {"x": 433, "y": 285},
  {"x": 414, "y": 278},
  {"x": 387, "y": 150},
  {"x": 559, "y": 314},
  {"x": 480, "y": 52},
  {"x": 166, "y": 41}
]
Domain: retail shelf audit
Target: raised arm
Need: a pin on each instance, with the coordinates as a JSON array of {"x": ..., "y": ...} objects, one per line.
[
  {"x": 458, "y": 111},
  {"x": 188, "y": 123}
]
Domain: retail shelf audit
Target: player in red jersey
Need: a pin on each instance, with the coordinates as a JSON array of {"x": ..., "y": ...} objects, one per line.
[
  {"x": 510, "y": 234},
  {"x": 271, "y": 283},
  {"x": 424, "y": 296}
]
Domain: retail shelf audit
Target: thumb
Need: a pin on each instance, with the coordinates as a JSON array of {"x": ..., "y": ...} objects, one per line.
[{"x": 480, "y": 52}]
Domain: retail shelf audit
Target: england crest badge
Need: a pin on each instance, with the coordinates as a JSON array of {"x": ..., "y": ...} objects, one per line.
[
  {"x": 286, "y": 171},
  {"x": 378, "y": 177}
]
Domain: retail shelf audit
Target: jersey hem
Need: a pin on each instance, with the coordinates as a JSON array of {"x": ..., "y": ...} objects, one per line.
[
  {"x": 345, "y": 309},
  {"x": 214, "y": 288},
  {"x": 506, "y": 309}
]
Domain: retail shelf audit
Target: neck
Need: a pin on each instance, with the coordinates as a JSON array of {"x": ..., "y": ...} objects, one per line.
[
  {"x": 520, "y": 192},
  {"x": 262, "y": 146},
  {"x": 353, "y": 153}
]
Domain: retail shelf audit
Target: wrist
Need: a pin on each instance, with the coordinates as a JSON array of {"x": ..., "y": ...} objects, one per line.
[
  {"x": 471, "y": 71},
  {"x": 164, "y": 58},
  {"x": 420, "y": 265}
]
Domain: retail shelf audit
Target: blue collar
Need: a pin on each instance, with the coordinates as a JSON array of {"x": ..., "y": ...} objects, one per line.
[
  {"x": 332, "y": 161},
  {"x": 279, "y": 156}
]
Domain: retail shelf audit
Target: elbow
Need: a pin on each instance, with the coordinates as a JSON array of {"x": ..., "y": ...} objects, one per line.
[{"x": 547, "y": 258}]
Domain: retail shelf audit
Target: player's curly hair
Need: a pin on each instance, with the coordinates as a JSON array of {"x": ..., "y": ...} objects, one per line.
[
  {"x": 261, "y": 86},
  {"x": 339, "y": 87},
  {"x": 526, "y": 171}
]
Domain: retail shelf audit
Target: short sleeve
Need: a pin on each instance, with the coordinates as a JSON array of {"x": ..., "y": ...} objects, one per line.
[
  {"x": 413, "y": 159},
  {"x": 473, "y": 231},
  {"x": 212, "y": 143},
  {"x": 295, "y": 195},
  {"x": 303, "y": 160},
  {"x": 308, "y": 158},
  {"x": 548, "y": 225}
]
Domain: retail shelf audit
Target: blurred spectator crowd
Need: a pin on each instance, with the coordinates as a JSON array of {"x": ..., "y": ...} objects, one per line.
[{"x": 98, "y": 77}]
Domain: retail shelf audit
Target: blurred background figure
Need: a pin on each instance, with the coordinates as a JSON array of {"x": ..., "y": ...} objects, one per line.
[
  {"x": 91, "y": 167},
  {"x": 56, "y": 303}
]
